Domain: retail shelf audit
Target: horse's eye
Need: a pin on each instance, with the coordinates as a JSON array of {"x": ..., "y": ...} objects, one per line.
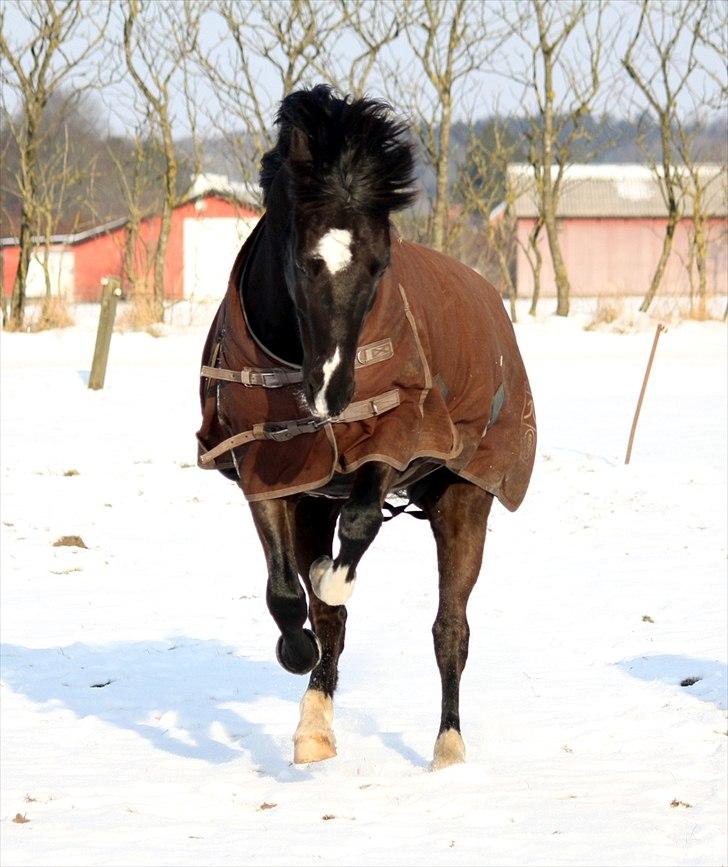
[
  {"x": 315, "y": 266},
  {"x": 378, "y": 268}
]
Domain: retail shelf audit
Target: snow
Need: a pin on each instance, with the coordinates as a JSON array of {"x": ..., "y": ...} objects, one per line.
[{"x": 146, "y": 721}]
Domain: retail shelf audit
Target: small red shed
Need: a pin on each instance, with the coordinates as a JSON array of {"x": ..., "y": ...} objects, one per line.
[{"x": 207, "y": 230}]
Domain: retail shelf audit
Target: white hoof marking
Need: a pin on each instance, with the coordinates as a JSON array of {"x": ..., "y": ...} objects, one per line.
[
  {"x": 314, "y": 738},
  {"x": 329, "y": 583},
  {"x": 449, "y": 750}
]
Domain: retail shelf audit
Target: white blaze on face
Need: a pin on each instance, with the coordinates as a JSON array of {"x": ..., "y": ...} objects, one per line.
[
  {"x": 335, "y": 249},
  {"x": 322, "y": 408}
]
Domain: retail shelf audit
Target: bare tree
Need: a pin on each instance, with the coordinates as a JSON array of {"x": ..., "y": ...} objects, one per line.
[
  {"x": 485, "y": 192},
  {"x": 135, "y": 173},
  {"x": 55, "y": 181},
  {"x": 563, "y": 83},
  {"x": 159, "y": 40},
  {"x": 268, "y": 50},
  {"x": 451, "y": 40},
  {"x": 57, "y": 42},
  {"x": 661, "y": 59},
  {"x": 702, "y": 185},
  {"x": 374, "y": 25}
]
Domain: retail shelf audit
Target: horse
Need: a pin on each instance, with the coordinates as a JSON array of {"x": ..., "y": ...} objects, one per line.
[{"x": 346, "y": 366}]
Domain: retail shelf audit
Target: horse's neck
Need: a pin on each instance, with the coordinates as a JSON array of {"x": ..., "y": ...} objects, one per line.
[{"x": 268, "y": 305}]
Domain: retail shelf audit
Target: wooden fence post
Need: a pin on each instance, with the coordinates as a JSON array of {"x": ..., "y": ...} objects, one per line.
[
  {"x": 660, "y": 328},
  {"x": 110, "y": 295}
]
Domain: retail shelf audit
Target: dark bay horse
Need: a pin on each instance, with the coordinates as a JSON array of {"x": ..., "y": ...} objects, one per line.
[{"x": 344, "y": 365}]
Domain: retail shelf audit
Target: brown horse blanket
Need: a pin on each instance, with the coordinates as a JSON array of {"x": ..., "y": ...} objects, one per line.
[{"x": 438, "y": 376}]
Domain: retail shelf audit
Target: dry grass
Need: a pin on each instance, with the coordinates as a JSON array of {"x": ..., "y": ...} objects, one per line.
[
  {"x": 143, "y": 313},
  {"x": 700, "y": 311},
  {"x": 608, "y": 311},
  {"x": 54, "y": 312}
]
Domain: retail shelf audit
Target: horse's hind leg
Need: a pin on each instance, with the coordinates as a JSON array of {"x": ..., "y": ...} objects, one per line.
[
  {"x": 314, "y": 737},
  {"x": 458, "y": 513}
]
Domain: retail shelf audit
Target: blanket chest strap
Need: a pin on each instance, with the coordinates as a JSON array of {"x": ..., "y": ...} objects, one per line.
[
  {"x": 277, "y": 377},
  {"x": 282, "y": 431}
]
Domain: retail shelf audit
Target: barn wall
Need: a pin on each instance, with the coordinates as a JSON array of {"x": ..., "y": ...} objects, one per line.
[
  {"x": 210, "y": 246},
  {"x": 97, "y": 258},
  {"x": 11, "y": 257},
  {"x": 102, "y": 256},
  {"x": 619, "y": 256},
  {"x": 61, "y": 267},
  {"x": 203, "y": 210}
]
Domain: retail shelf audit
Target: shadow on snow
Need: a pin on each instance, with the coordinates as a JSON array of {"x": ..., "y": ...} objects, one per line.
[
  {"x": 195, "y": 699},
  {"x": 710, "y": 676}
]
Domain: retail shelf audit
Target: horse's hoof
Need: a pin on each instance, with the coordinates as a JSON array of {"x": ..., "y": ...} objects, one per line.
[
  {"x": 299, "y": 655},
  {"x": 314, "y": 748},
  {"x": 314, "y": 738},
  {"x": 449, "y": 750},
  {"x": 329, "y": 583}
]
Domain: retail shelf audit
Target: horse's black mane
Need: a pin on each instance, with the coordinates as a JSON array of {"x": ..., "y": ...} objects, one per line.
[{"x": 352, "y": 153}]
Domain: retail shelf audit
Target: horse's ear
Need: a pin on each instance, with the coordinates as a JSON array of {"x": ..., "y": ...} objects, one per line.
[{"x": 300, "y": 149}]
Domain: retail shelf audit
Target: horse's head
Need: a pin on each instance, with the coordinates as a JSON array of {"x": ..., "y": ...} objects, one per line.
[{"x": 346, "y": 165}]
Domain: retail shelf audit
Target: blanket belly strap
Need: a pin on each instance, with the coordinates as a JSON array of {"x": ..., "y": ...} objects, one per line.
[
  {"x": 282, "y": 431},
  {"x": 277, "y": 377}
]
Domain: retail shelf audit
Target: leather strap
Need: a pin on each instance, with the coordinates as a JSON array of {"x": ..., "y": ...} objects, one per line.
[
  {"x": 282, "y": 431},
  {"x": 361, "y": 409},
  {"x": 271, "y": 377},
  {"x": 277, "y": 377}
]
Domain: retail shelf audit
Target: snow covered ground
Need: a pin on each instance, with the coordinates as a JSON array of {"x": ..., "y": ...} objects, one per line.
[{"x": 146, "y": 722}]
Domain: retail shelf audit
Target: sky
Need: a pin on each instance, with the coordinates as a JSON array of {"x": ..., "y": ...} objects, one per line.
[{"x": 491, "y": 88}]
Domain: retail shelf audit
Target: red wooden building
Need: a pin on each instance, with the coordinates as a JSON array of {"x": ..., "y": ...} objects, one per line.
[
  {"x": 206, "y": 233},
  {"x": 611, "y": 223}
]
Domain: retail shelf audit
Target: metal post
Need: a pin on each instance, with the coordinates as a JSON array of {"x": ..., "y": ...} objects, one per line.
[
  {"x": 660, "y": 328},
  {"x": 110, "y": 295}
]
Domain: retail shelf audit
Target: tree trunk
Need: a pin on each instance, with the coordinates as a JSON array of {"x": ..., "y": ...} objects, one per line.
[
  {"x": 700, "y": 247},
  {"x": 27, "y": 217},
  {"x": 25, "y": 241},
  {"x": 170, "y": 195},
  {"x": 536, "y": 268},
  {"x": 563, "y": 290},
  {"x": 548, "y": 198},
  {"x": 440, "y": 215},
  {"x": 661, "y": 264},
  {"x": 159, "y": 259},
  {"x": 672, "y": 212},
  {"x": 129, "y": 264}
]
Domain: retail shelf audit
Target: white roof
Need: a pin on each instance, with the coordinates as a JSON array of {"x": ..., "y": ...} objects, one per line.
[
  {"x": 614, "y": 190},
  {"x": 207, "y": 182}
]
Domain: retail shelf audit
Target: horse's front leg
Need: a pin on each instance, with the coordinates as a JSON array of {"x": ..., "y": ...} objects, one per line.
[
  {"x": 458, "y": 513},
  {"x": 298, "y": 649},
  {"x": 359, "y": 523},
  {"x": 314, "y": 737}
]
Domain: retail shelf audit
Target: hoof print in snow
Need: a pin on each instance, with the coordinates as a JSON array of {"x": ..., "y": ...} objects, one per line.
[
  {"x": 21, "y": 820},
  {"x": 69, "y": 542},
  {"x": 689, "y": 681}
]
